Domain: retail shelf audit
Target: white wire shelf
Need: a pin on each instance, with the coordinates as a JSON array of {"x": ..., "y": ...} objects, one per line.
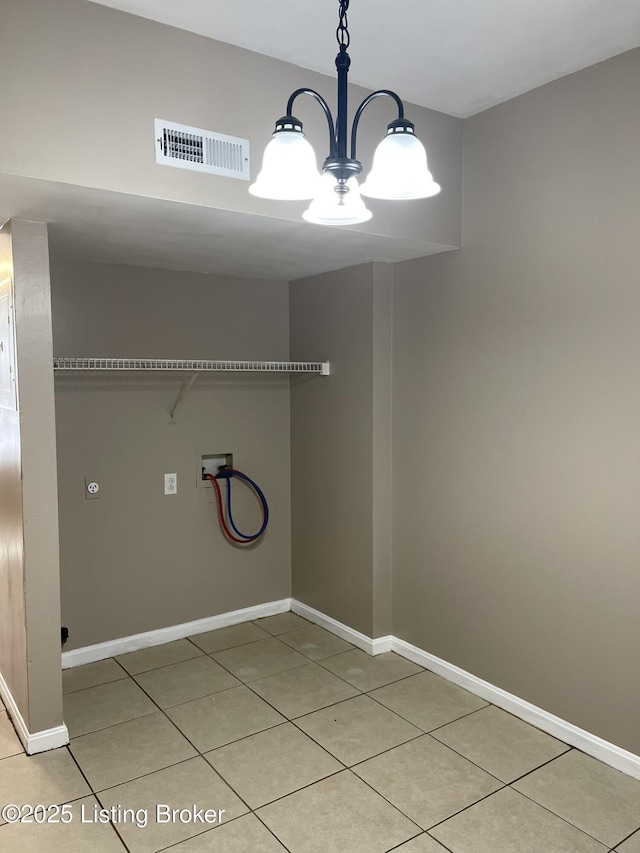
[
  {"x": 189, "y": 366},
  {"x": 158, "y": 365}
]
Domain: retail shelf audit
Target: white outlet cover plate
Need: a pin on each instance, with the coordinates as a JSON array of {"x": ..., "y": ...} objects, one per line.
[{"x": 171, "y": 484}]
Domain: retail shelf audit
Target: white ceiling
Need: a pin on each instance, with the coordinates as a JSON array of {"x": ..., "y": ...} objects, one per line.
[{"x": 456, "y": 56}]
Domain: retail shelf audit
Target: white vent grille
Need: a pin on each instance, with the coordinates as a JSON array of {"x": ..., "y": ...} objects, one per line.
[{"x": 201, "y": 150}]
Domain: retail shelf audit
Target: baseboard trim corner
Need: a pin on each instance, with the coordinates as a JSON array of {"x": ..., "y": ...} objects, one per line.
[
  {"x": 33, "y": 742},
  {"x": 608, "y": 753},
  {"x": 122, "y": 645},
  {"x": 47, "y": 739},
  {"x": 372, "y": 647},
  {"x": 382, "y": 645}
]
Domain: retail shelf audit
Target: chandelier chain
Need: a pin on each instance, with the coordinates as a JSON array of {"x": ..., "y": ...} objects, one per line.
[{"x": 342, "y": 33}]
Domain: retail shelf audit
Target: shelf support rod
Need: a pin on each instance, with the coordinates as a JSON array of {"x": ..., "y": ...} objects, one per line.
[{"x": 186, "y": 387}]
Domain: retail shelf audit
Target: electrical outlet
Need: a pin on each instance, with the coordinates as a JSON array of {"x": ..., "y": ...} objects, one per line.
[
  {"x": 171, "y": 484},
  {"x": 91, "y": 488}
]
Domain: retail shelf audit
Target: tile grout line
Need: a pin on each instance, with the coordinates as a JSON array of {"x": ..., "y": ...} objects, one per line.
[
  {"x": 268, "y": 828},
  {"x": 97, "y": 797},
  {"x": 402, "y": 843},
  {"x": 540, "y": 766},
  {"x": 478, "y": 766},
  {"x": 382, "y": 796},
  {"x": 239, "y": 817},
  {"x": 560, "y": 817},
  {"x": 626, "y": 838},
  {"x": 432, "y": 837},
  {"x": 455, "y": 719},
  {"x": 466, "y": 808},
  {"x": 290, "y": 719},
  {"x": 199, "y": 834},
  {"x": 126, "y": 672},
  {"x": 298, "y": 790},
  {"x": 374, "y": 658},
  {"x": 91, "y": 686},
  {"x": 21, "y": 750},
  {"x": 423, "y": 832}
]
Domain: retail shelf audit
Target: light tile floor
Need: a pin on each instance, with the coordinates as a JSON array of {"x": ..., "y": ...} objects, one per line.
[{"x": 295, "y": 741}]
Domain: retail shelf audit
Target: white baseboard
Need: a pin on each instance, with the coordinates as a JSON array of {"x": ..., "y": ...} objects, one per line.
[
  {"x": 100, "y": 651},
  {"x": 47, "y": 739},
  {"x": 604, "y": 751},
  {"x": 382, "y": 645},
  {"x": 372, "y": 647},
  {"x": 32, "y": 742}
]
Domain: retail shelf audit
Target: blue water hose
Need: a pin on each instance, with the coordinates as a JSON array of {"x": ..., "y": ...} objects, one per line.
[{"x": 227, "y": 474}]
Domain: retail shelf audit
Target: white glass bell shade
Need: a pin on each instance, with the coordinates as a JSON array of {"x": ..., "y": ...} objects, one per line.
[
  {"x": 332, "y": 208},
  {"x": 289, "y": 169},
  {"x": 400, "y": 170}
]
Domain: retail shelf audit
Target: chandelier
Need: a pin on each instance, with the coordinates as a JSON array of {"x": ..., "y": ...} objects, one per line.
[{"x": 289, "y": 168}]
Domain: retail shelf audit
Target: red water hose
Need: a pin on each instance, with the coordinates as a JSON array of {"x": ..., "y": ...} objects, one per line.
[{"x": 223, "y": 521}]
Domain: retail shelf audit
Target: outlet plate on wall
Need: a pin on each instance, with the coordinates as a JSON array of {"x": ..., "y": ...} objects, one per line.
[
  {"x": 171, "y": 484},
  {"x": 91, "y": 488}
]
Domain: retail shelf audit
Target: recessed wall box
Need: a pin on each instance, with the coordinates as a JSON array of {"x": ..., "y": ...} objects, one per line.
[{"x": 210, "y": 463}]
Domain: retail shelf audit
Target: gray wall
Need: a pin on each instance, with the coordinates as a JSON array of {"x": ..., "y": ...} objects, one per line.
[
  {"x": 340, "y": 446},
  {"x": 29, "y": 566},
  {"x": 331, "y": 446},
  {"x": 120, "y": 71},
  {"x": 516, "y": 409},
  {"x": 382, "y": 448},
  {"x": 136, "y": 560}
]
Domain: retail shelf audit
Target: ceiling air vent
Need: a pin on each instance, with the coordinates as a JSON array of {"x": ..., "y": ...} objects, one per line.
[{"x": 201, "y": 150}]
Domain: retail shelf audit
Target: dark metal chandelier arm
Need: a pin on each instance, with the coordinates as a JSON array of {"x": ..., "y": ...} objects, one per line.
[
  {"x": 360, "y": 110},
  {"x": 326, "y": 110}
]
